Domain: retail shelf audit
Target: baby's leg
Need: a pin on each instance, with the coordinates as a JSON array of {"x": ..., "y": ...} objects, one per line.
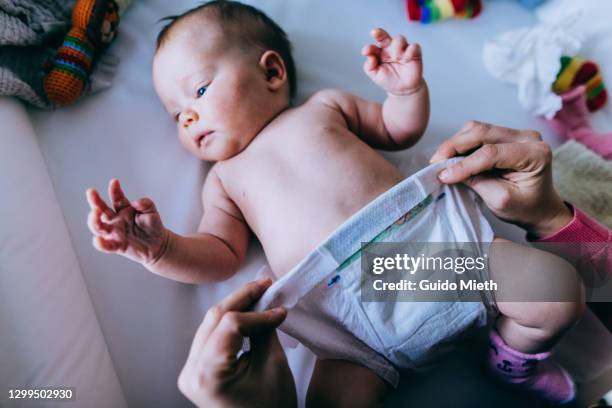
[
  {"x": 527, "y": 328},
  {"x": 338, "y": 383},
  {"x": 527, "y": 322}
]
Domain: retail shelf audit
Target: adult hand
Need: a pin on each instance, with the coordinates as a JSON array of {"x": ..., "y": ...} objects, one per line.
[
  {"x": 214, "y": 377},
  {"x": 511, "y": 171}
]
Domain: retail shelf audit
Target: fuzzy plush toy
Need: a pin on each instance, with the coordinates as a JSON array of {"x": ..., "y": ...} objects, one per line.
[{"x": 94, "y": 26}]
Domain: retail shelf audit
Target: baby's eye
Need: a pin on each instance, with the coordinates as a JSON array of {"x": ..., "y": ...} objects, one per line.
[
  {"x": 176, "y": 117},
  {"x": 201, "y": 91}
]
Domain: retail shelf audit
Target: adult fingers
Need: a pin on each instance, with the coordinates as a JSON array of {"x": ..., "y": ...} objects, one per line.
[
  {"x": 239, "y": 300},
  {"x": 266, "y": 348},
  {"x": 226, "y": 339},
  {"x": 475, "y": 134},
  {"x": 497, "y": 195},
  {"x": 513, "y": 156},
  {"x": 118, "y": 199},
  {"x": 95, "y": 201}
]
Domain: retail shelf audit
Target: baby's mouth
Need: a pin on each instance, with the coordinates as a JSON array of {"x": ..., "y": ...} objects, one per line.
[{"x": 201, "y": 137}]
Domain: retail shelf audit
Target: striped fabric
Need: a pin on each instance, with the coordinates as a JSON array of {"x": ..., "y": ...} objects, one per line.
[{"x": 429, "y": 11}]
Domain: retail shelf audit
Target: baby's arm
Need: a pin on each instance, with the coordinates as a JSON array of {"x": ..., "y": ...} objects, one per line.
[
  {"x": 400, "y": 121},
  {"x": 218, "y": 249},
  {"x": 134, "y": 230}
]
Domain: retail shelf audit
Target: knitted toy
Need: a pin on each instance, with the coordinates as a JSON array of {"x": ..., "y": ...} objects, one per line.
[
  {"x": 94, "y": 25},
  {"x": 577, "y": 71},
  {"x": 429, "y": 11}
]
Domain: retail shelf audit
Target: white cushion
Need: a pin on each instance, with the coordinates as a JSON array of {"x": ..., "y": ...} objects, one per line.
[{"x": 49, "y": 333}]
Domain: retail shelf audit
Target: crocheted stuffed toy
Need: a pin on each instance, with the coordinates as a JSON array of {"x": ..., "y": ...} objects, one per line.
[
  {"x": 429, "y": 11},
  {"x": 94, "y": 26},
  {"x": 577, "y": 71}
]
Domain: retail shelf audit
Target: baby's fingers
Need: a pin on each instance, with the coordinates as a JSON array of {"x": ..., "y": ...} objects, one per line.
[
  {"x": 144, "y": 205},
  {"x": 413, "y": 52},
  {"x": 117, "y": 196},
  {"x": 370, "y": 65},
  {"x": 370, "y": 49},
  {"x": 398, "y": 47},
  {"x": 95, "y": 224},
  {"x": 381, "y": 36},
  {"x": 106, "y": 245},
  {"x": 95, "y": 201}
]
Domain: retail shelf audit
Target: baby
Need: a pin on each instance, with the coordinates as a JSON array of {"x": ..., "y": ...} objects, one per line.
[{"x": 295, "y": 174}]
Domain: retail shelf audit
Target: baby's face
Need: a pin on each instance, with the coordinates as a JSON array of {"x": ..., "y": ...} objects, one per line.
[{"x": 217, "y": 96}]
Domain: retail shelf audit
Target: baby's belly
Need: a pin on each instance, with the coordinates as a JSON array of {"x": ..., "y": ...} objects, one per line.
[{"x": 303, "y": 220}]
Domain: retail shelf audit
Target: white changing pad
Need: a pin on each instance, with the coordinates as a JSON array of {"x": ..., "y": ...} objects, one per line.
[{"x": 147, "y": 321}]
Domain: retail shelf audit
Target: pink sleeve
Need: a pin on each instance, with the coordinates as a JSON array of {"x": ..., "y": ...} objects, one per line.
[
  {"x": 580, "y": 229},
  {"x": 588, "y": 242}
]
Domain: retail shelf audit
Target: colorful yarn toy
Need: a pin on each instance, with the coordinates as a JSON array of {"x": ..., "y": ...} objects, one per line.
[
  {"x": 429, "y": 11},
  {"x": 577, "y": 71},
  {"x": 94, "y": 25}
]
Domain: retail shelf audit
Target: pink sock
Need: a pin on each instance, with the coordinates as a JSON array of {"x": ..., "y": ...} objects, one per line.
[
  {"x": 572, "y": 122},
  {"x": 528, "y": 372}
]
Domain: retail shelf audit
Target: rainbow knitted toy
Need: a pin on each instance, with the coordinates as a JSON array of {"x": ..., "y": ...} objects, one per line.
[
  {"x": 577, "y": 71},
  {"x": 429, "y": 11},
  {"x": 94, "y": 25}
]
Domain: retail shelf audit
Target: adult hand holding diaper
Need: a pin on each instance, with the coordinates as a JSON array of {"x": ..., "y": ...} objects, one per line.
[{"x": 523, "y": 193}]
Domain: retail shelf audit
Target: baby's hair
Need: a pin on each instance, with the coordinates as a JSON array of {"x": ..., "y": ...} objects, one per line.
[{"x": 243, "y": 23}]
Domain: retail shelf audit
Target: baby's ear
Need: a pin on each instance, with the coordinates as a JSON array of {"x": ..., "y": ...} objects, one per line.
[{"x": 273, "y": 67}]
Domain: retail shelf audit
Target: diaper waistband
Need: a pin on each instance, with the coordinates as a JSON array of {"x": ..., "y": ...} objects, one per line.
[{"x": 363, "y": 226}]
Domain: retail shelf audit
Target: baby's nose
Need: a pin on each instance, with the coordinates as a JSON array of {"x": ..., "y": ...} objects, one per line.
[{"x": 189, "y": 118}]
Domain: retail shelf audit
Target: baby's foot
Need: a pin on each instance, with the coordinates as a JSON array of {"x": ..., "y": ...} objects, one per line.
[{"x": 529, "y": 372}]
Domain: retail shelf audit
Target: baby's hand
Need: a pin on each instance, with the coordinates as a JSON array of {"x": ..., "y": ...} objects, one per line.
[
  {"x": 132, "y": 229},
  {"x": 393, "y": 64}
]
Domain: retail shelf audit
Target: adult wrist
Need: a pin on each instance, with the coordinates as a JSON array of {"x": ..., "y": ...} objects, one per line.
[{"x": 559, "y": 217}]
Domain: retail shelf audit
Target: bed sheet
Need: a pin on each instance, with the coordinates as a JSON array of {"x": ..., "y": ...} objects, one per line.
[{"x": 148, "y": 321}]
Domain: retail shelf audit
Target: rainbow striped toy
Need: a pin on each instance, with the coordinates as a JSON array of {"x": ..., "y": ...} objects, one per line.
[
  {"x": 94, "y": 25},
  {"x": 577, "y": 71},
  {"x": 430, "y": 11}
]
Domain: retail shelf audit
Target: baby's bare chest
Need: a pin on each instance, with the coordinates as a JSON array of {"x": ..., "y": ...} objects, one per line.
[{"x": 301, "y": 181}]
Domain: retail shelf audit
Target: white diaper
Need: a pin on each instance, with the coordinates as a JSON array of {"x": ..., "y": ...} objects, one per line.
[{"x": 322, "y": 293}]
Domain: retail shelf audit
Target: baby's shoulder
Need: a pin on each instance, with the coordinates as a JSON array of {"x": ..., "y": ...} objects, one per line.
[{"x": 329, "y": 97}]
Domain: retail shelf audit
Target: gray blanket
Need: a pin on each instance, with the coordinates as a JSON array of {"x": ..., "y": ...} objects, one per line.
[{"x": 30, "y": 33}]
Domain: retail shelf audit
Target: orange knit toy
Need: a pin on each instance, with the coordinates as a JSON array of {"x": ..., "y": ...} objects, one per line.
[{"x": 94, "y": 25}]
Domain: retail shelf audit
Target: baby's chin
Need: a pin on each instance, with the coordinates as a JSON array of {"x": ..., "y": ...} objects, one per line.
[{"x": 218, "y": 150}]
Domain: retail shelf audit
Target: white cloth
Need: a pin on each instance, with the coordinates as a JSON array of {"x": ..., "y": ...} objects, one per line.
[
  {"x": 530, "y": 59},
  {"x": 322, "y": 293}
]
